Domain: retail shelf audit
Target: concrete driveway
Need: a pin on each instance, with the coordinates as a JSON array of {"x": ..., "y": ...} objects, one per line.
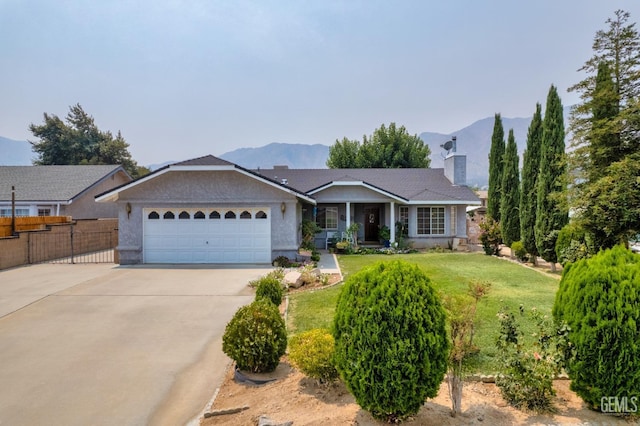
[{"x": 109, "y": 345}]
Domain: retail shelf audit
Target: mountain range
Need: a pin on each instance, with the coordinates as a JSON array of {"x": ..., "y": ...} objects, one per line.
[{"x": 473, "y": 140}]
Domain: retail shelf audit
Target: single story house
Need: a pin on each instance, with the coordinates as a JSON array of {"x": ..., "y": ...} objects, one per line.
[
  {"x": 59, "y": 190},
  {"x": 208, "y": 210}
]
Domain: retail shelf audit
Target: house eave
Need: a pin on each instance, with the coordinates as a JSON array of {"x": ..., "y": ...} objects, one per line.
[{"x": 113, "y": 195}]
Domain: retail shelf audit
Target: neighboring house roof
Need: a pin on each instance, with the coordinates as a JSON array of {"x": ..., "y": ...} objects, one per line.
[
  {"x": 51, "y": 183},
  {"x": 412, "y": 185},
  {"x": 206, "y": 163}
]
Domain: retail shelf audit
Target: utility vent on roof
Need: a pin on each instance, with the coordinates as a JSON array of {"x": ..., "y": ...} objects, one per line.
[{"x": 285, "y": 181}]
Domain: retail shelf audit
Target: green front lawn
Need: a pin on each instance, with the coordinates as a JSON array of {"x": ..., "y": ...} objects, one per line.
[{"x": 450, "y": 273}]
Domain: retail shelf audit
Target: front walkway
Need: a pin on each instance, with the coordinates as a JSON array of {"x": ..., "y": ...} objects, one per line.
[{"x": 328, "y": 263}]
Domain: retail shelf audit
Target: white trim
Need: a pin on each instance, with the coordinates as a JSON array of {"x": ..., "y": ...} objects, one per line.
[
  {"x": 358, "y": 183},
  {"x": 113, "y": 194}
]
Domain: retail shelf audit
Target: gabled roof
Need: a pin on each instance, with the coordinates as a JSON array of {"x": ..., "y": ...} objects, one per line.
[
  {"x": 413, "y": 185},
  {"x": 206, "y": 163},
  {"x": 51, "y": 183}
]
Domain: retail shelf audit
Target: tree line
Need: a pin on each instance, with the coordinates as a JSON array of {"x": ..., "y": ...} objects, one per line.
[{"x": 597, "y": 180}]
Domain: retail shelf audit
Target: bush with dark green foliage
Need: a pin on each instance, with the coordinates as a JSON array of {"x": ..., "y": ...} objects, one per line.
[
  {"x": 312, "y": 353},
  {"x": 282, "y": 262},
  {"x": 270, "y": 288},
  {"x": 391, "y": 340},
  {"x": 599, "y": 298},
  {"x": 256, "y": 337}
]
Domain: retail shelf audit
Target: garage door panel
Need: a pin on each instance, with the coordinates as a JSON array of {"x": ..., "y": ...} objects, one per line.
[{"x": 208, "y": 239}]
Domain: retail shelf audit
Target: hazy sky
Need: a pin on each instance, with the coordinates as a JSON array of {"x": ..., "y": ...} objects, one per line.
[{"x": 182, "y": 79}]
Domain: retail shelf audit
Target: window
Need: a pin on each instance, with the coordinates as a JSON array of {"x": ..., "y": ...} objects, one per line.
[
  {"x": 44, "y": 212},
  {"x": 198, "y": 215},
  {"x": 245, "y": 215},
  {"x": 430, "y": 220},
  {"x": 229, "y": 215},
  {"x": 19, "y": 212},
  {"x": 327, "y": 217},
  {"x": 184, "y": 215},
  {"x": 154, "y": 215},
  {"x": 169, "y": 215},
  {"x": 403, "y": 218},
  {"x": 261, "y": 215},
  {"x": 214, "y": 215}
]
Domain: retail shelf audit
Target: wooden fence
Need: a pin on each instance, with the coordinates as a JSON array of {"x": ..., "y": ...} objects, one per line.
[{"x": 30, "y": 223}]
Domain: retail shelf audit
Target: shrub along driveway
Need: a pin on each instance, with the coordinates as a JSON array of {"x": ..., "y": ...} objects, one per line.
[{"x": 108, "y": 345}]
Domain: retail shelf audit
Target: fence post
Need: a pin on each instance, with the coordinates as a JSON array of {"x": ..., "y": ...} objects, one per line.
[
  {"x": 72, "y": 262},
  {"x": 29, "y": 248}
]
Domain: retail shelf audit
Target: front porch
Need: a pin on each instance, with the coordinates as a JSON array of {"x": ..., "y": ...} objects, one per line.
[{"x": 421, "y": 226}]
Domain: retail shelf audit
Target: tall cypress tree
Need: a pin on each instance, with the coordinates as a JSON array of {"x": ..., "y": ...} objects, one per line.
[
  {"x": 551, "y": 214},
  {"x": 509, "y": 203},
  {"x": 496, "y": 158},
  {"x": 529, "y": 194}
]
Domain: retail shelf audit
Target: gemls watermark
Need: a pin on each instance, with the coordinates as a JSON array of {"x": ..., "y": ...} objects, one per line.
[{"x": 619, "y": 404}]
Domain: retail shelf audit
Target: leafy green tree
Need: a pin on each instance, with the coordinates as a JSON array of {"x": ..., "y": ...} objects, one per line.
[
  {"x": 613, "y": 214},
  {"x": 391, "y": 343},
  {"x": 388, "y": 147},
  {"x": 599, "y": 299},
  {"x": 510, "y": 200},
  {"x": 551, "y": 214},
  {"x": 528, "y": 195},
  {"x": 343, "y": 154},
  {"x": 496, "y": 165},
  {"x": 79, "y": 141}
]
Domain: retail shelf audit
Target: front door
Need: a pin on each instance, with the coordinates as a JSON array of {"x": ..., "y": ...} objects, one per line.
[{"x": 371, "y": 223}]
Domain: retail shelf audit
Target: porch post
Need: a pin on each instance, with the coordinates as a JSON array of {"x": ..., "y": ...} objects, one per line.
[
  {"x": 348, "y": 215},
  {"x": 392, "y": 218}
]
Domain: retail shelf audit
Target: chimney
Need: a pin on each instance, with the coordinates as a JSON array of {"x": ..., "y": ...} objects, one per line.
[{"x": 455, "y": 166}]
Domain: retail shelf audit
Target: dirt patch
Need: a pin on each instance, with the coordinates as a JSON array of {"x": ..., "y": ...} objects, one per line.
[{"x": 294, "y": 397}]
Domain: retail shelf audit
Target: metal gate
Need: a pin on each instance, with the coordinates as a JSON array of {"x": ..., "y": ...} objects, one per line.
[{"x": 71, "y": 246}]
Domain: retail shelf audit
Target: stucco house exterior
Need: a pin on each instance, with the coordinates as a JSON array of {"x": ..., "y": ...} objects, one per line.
[
  {"x": 208, "y": 210},
  {"x": 59, "y": 190}
]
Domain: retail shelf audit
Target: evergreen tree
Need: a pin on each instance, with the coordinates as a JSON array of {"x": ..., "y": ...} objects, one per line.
[
  {"x": 496, "y": 155},
  {"x": 619, "y": 47},
  {"x": 606, "y": 129},
  {"x": 551, "y": 214},
  {"x": 79, "y": 141},
  {"x": 510, "y": 200},
  {"x": 529, "y": 193}
]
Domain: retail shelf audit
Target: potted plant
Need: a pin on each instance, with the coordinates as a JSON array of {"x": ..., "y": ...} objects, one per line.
[
  {"x": 384, "y": 234},
  {"x": 341, "y": 246}
]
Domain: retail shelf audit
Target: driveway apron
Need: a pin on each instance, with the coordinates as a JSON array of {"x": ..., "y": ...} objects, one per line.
[{"x": 109, "y": 345}]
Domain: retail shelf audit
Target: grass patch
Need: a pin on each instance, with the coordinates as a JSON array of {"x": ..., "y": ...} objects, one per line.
[{"x": 450, "y": 273}]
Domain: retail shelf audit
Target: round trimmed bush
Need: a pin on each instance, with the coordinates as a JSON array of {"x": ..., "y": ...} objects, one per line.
[
  {"x": 270, "y": 288},
  {"x": 391, "y": 340},
  {"x": 599, "y": 299},
  {"x": 312, "y": 353},
  {"x": 256, "y": 337}
]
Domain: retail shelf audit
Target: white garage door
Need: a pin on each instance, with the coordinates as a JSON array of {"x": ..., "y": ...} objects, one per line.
[{"x": 213, "y": 235}]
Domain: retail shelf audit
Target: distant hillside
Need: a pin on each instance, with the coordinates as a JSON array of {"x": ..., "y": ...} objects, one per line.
[
  {"x": 475, "y": 142},
  {"x": 296, "y": 156},
  {"x": 15, "y": 153}
]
